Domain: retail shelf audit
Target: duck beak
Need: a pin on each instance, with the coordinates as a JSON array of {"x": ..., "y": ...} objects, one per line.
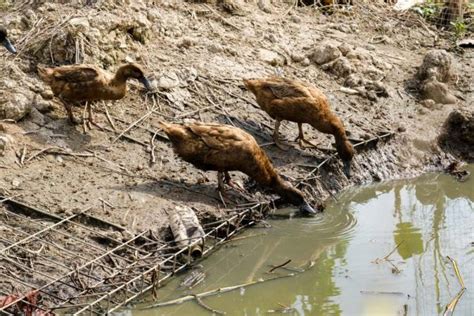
[
  {"x": 306, "y": 209},
  {"x": 8, "y": 45},
  {"x": 347, "y": 168},
  {"x": 146, "y": 83}
]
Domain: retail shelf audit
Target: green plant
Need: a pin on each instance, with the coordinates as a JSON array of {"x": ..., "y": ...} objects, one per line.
[
  {"x": 427, "y": 10},
  {"x": 460, "y": 28}
]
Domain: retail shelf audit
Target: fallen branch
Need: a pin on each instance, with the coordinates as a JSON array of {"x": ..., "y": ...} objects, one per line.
[
  {"x": 224, "y": 289},
  {"x": 202, "y": 304},
  {"x": 449, "y": 310},
  {"x": 133, "y": 124},
  {"x": 279, "y": 266}
]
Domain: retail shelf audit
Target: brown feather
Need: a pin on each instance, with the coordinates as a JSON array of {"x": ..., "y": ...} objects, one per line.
[
  {"x": 225, "y": 148},
  {"x": 79, "y": 83},
  {"x": 285, "y": 99}
]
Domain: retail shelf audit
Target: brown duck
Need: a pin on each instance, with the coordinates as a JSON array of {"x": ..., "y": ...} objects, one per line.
[
  {"x": 291, "y": 100},
  {"x": 5, "y": 41},
  {"x": 224, "y": 148},
  {"x": 85, "y": 83}
]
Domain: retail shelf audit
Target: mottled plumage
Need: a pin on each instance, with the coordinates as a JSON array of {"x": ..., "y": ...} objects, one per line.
[
  {"x": 79, "y": 83},
  {"x": 285, "y": 99},
  {"x": 224, "y": 148}
]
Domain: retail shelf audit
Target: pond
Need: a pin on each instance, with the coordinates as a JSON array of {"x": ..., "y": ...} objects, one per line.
[{"x": 342, "y": 251}]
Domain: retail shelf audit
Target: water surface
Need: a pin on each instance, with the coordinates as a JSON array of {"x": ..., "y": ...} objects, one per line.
[{"x": 430, "y": 218}]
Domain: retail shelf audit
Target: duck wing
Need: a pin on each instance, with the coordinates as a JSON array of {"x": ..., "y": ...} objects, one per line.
[
  {"x": 215, "y": 136},
  {"x": 282, "y": 89},
  {"x": 76, "y": 73}
]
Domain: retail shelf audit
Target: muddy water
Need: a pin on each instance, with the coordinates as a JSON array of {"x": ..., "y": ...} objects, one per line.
[{"x": 432, "y": 217}]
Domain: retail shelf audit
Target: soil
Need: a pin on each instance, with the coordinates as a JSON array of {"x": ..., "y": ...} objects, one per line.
[{"x": 197, "y": 55}]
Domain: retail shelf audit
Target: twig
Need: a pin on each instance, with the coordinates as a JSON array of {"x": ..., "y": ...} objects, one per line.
[
  {"x": 391, "y": 252},
  {"x": 133, "y": 124},
  {"x": 23, "y": 154},
  {"x": 381, "y": 292},
  {"x": 33, "y": 156},
  {"x": 152, "y": 149},
  {"x": 240, "y": 238},
  {"x": 222, "y": 18},
  {"x": 224, "y": 289},
  {"x": 449, "y": 310},
  {"x": 111, "y": 122},
  {"x": 279, "y": 266},
  {"x": 202, "y": 304}
]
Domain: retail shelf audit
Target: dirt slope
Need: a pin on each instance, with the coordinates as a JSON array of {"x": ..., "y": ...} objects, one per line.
[{"x": 197, "y": 55}]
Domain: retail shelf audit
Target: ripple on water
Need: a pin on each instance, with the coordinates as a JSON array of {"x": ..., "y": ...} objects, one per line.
[{"x": 333, "y": 223}]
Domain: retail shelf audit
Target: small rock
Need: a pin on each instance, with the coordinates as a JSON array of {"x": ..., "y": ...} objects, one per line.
[
  {"x": 324, "y": 54},
  {"x": 401, "y": 129},
  {"x": 295, "y": 19},
  {"x": 369, "y": 47},
  {"x": 305, "y": 62},
  {"x": 215, "y": 48},
  {"x": 168, "y": 81},
  {"x": 428, "y": 103},
  {"x": 36, "y": 117},
  {"x": 59, "y": 159},
  {"x": 437, "y": 91},
  {"x": 187, "y": 42},
  {"x": 47, "y": 94},
  {"x": 345, "y": 48},
  {"x": 297, "y": 57},
  {"x": 5, "y": 141},
  {"x": 80, "y": 24},
  {"x": 436, "y": 62},
  {"x": 271, "y": 38},
  {"x": 16, "y": 182},
  {"x": 264, "y": 5},
  {"x": 422, "y": 111},
  {"x": 16, "y": 107},
  {"x": 271, "y": 57}
]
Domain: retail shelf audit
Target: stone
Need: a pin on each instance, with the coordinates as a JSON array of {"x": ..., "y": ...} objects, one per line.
[
  {"x": 16, "y": 107},
  {"x": 168, "y": 81},
  {"x": 80, "y": 24},
  {"x": 457, "y": 136},
  {"x": 271, "y": 57},
  {"x": 344, "y": 48},
  {"x": 437, "y": 62},
  {"x": 324, "y": 54},
  {"x": 437, "y": 91}
]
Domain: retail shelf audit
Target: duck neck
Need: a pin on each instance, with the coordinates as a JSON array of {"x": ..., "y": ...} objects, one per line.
[
  {"x": 120, "y": 77},
  {"x": 285, "y": 190}
]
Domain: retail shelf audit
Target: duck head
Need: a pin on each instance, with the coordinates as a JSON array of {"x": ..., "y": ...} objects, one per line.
[
  {"x": 5, "y": 41},
  {"x": 250, "y": 85},
  {"x": 346, "y": 152},
  {"x": 294, "y": 196},
  {"x": 133, "y": 71}
]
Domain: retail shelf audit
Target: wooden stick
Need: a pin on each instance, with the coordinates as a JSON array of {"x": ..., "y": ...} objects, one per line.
[
  {"x": 279, "y": 266},
  {"x": 111, "y": 122},
  {"x": 449, "y": 310},
  {"x": 224, "y": 289},
  {"x": 391, "y": 252},
  {"x": 133, "y": 124},
  {"x": 201, "y": 303}
]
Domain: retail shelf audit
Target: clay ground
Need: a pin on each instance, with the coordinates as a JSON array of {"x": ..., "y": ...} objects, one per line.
[{"x": 198, "y": 55}]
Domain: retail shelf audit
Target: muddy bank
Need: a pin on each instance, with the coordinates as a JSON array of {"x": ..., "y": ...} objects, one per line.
[{"x": 365, "y": 59}]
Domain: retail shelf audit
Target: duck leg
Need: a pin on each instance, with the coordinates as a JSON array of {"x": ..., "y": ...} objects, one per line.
[
  {"x": 275, "y": 136},
  {"x": 68, "y": 107},
  {"x": 91, "y": 117},
  {"x": 220, "y": 183},
  {"x": 300, "y": 139},
  {"x": 229, "y": 182}
]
